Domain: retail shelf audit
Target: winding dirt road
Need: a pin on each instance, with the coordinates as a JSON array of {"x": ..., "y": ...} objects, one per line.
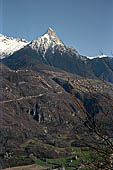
[
  {"x": 22, "y": 98},
  {"x": 28, "y": 167}
]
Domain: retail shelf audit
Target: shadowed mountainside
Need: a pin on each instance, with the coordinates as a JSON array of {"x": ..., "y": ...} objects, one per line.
[{"x": 37, "y": 111}]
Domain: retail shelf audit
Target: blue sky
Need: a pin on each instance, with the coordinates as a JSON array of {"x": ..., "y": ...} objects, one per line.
[{"x": 86, "y": 25}]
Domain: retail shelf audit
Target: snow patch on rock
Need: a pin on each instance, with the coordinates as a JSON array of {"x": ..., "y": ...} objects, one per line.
[{"x": 99, "y": 56}]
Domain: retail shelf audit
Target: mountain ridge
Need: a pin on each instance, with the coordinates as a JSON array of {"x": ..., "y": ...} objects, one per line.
[
  {"x": 50, "y": 50},
  {"x": 49, "y": 32}
]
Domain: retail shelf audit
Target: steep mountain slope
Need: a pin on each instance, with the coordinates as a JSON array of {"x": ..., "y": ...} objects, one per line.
[
  {"x": 32, "y": 106},
  {"x": 37, "y": 113},
  {"x": 45, "y": 111},
  {"x": 9, "y": 45},
  {"x": 49, "y": 50}
]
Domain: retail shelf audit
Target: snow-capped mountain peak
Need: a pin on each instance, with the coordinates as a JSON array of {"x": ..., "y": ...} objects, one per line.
[
  {"x": 51, "y": 36},
  {"x": 46, "y": 41},
  {"x": 9, "y": 45}
]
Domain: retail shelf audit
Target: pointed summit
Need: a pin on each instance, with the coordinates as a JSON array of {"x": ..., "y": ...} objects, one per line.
[
  {"x": 50, "y": 29},
  {"x": 46, "y": 41},
  {"x": 51, "y": 32}
]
